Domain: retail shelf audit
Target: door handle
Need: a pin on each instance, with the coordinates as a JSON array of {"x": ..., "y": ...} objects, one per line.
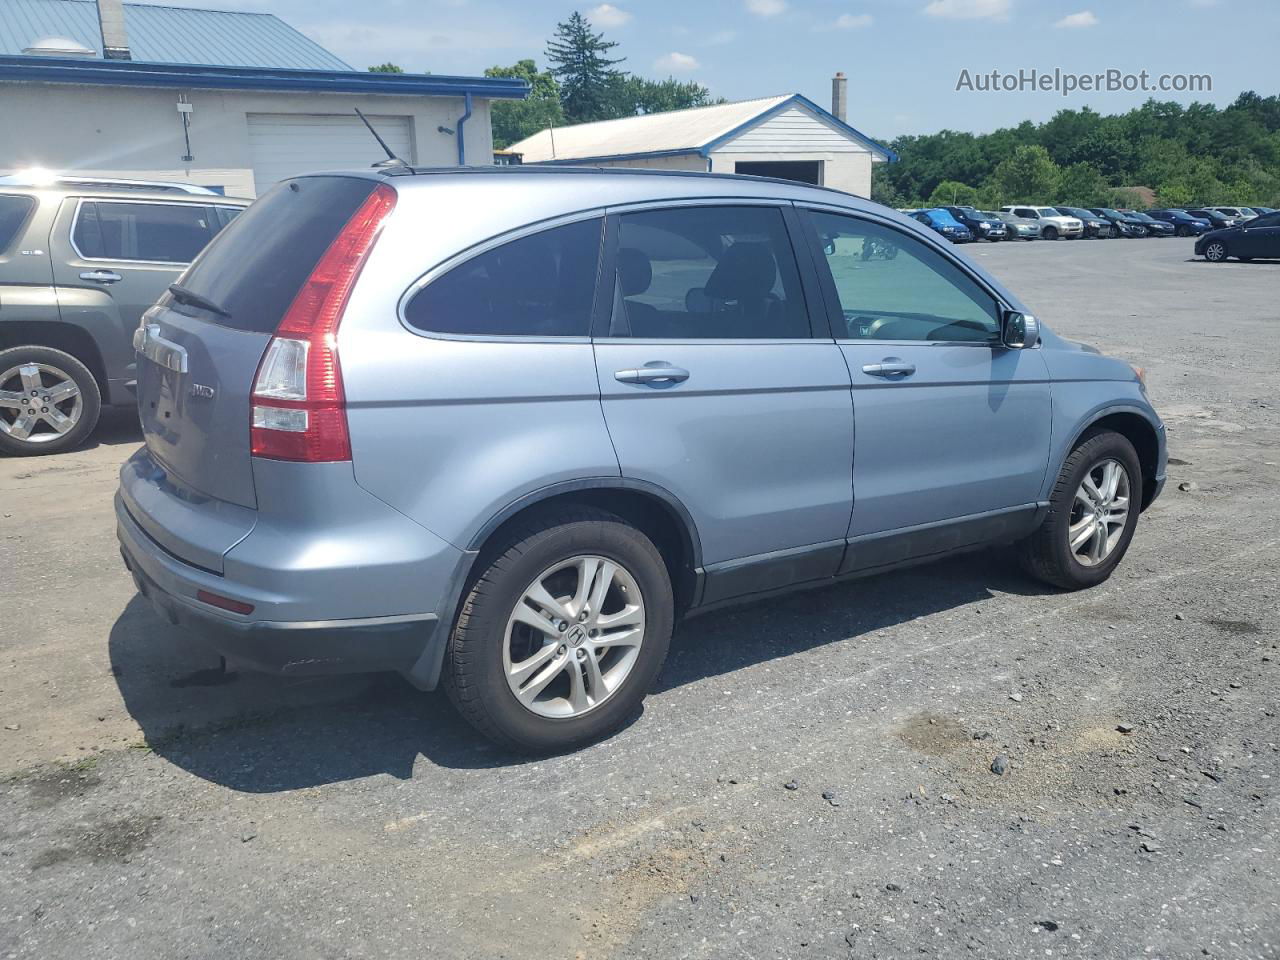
[
  {"x": 656, "y": 371},
  {"x": 889, "y": 367},
  {"x": 101, "y": 276}
]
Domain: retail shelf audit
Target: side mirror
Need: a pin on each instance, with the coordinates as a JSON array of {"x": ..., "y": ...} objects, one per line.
[{"x": 1019, "y": 331}]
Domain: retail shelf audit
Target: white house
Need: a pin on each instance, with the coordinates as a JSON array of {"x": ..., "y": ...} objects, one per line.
[
  {"x": 234, "y": 101},
  {"x": 785, "y": 136}
]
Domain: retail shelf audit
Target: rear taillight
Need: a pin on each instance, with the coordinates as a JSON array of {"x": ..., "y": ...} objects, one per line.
[{"x": 299, "y": 408}]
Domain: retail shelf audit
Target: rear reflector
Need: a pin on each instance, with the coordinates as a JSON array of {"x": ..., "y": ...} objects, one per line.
[
  {"x": 225, "y": 603},
  {"x": 299, "y": 408}
]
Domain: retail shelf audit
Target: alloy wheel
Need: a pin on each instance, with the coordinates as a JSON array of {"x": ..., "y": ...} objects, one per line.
[
  {"x": 1099, "y": 513},
  {"x": 1216, "y": 252},
  {"x": 574, "y": 636},
  {"x": 38, "y": 403}
]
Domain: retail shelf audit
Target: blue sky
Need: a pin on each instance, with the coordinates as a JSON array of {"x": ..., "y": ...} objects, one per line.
[{"x": 903, "y": 57}]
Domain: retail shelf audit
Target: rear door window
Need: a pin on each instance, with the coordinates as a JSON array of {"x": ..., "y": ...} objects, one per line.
[
  {"x": 13, "y": 214},
  {"x": 718, "y": 273},
  {"x": 541, "y": 285},
  {"x": 254, "y": 268},
  {"x": 152, "y": 232}
]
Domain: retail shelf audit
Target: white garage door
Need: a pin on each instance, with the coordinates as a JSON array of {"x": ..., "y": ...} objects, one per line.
[{"x": 284, "y": 145}]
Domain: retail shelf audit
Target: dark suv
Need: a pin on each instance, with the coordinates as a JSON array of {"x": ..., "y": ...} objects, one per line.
[
  {"x": 982, "y": 227},
  {"x": 79, "y": 263}
]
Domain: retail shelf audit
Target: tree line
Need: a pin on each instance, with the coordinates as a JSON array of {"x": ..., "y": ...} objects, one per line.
[{"x": 1197, "y": 154}]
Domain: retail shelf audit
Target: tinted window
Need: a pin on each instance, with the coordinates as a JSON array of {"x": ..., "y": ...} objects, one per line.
[
  {"x": 13, "y": 214},
  {"x": 1264, "y": 220},
  {"x": 257, "y": 264},
  {"x": 159, "y": 232},
  {"x": 707, "y": 273},
  {"x": 541, "y": 285},
  {"x": 894, "y": 287},
  {"x": 229, "y": 213}
]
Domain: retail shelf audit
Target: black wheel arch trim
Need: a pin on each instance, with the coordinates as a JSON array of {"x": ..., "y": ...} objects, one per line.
[
  {"x": 1150, "y": 484},
  {"x": 425, "y": 672},
  {"x": 534, "y": 497}
]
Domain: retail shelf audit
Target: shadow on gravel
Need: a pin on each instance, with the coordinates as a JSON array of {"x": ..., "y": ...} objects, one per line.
[
  {"x": 118, "y": 427},
  {"x": 262, "y": 734}
]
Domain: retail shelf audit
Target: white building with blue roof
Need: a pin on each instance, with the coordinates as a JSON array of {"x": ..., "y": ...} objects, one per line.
[{"x": 230, "y": 100}]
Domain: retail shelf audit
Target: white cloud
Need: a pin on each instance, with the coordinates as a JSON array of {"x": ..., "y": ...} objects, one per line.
[
  {"x": 851, "y": 21},
  {"x": 675, "y": 62},
  {"x": 607, "y": 15},
  {"x": 970, "y": 9},
  {"x": 1084, "y": 18},
  {"x": 767, "y": 8}
]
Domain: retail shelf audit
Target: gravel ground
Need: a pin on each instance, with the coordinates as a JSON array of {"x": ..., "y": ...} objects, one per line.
[{"x": 813, "y": 777}]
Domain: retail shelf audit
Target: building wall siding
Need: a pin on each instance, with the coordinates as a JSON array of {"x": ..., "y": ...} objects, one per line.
[
  {"x": 850, "y": 172},
  {"x": 133, "y": 132},
  {"x": 794, "y": 130}
]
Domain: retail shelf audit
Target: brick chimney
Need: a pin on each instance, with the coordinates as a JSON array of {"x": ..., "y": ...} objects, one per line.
[
  {"x": 115, "y": 39},
  {"x": 840, "y": 97}
]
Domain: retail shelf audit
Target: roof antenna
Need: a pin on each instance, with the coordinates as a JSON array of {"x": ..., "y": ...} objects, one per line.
[{"x": 392, "y": 160}]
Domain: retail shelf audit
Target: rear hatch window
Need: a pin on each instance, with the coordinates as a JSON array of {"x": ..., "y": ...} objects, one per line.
[
  {"x": 195, "y": 382},
  {"x": 257, "y": 264}
]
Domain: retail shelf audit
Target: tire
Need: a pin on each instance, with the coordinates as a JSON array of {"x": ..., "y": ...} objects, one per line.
[
  {"x": 1047, "y": 554},
  {"x": 32, "y": 431},
  {"x": 487, "y": 640},
  {"x": 1049, "y": 233},
  {"x": 1216, "y": 251},
  {"x": 1182, "y": 232}
]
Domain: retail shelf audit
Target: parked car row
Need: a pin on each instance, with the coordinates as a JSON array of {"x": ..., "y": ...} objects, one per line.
[{"x": 964, "y": 224}]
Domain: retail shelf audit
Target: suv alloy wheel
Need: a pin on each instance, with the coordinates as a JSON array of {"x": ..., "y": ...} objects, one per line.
[
  {"x": 49, "y": 401},
  {"x": 562, "y": 633}
]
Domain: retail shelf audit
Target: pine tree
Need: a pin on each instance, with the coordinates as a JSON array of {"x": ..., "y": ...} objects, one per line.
[{"x": 579, "y": 61}]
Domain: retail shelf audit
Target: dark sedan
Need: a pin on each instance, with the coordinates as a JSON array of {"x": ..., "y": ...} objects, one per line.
[
  {"x": 1122, "y": 225},
  {"x": 1094, "y": 225},
  {"x": 1217, "y": 219},
  {"x": 1259, "y": 237},
  {"x": 1184, "y": 225},
  {"x": 1155, "y": 228}
]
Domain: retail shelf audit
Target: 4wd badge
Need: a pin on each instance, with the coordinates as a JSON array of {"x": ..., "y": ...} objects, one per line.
[{"x": 198, "y": 391}]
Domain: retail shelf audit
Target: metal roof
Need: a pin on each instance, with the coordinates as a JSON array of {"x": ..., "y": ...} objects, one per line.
[
  {"x": 159, "y": 34},
  {"x": 696, "y": 130},
  {"x": 132, "y": 73}
]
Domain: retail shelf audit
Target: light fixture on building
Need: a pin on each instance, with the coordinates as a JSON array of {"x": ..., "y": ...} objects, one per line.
[{"x": 185, "y": 109}]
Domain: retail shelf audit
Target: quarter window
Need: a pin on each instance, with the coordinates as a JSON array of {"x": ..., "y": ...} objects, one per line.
[
  {"x": 158, "y": 232},
  {"x": 724, "y": 273},
  {"x": 13, "y": 214},
  {"x": 541, "y": 285},
  {"x": 894, "y": 287}
]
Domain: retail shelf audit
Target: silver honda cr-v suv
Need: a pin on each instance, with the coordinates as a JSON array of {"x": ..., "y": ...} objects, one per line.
[{"x": 498, "y": 429}]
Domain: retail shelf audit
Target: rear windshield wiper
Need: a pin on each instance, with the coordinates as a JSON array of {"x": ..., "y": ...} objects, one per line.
[{"x": 193, "y": 299}]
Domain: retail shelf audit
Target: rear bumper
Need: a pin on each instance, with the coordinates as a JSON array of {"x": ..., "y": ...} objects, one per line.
[{"x": 285, "y": 647}]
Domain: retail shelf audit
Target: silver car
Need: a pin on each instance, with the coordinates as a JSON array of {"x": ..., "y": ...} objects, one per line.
[
  {"x": 499, "y": 429},
  {"x": 1020, "y": 228}
]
